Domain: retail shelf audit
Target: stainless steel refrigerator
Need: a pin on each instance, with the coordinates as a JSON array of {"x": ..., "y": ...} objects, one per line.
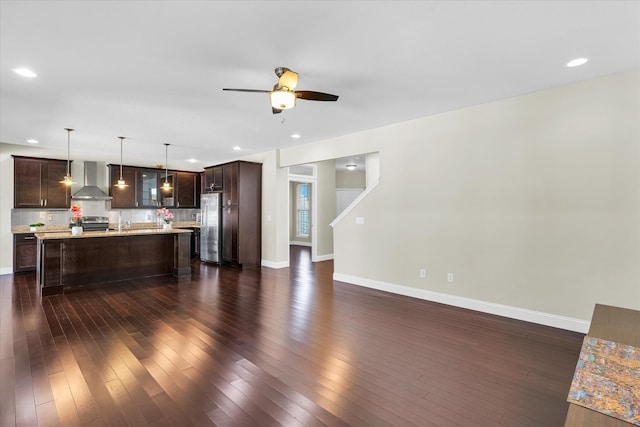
[{"x": 210, "y": 227}]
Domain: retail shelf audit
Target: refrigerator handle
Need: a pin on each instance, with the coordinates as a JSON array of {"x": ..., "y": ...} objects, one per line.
[{"x": 203, "y": 218}]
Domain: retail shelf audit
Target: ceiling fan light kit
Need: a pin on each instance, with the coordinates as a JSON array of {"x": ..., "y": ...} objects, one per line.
[{"x": 283, "y": 97}]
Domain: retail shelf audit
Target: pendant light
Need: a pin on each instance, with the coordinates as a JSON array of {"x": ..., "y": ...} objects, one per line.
[
  {"x": 67, "y": 180},
  {"x": 166, "y": 186},
  {"x": 121, "y": 183}
]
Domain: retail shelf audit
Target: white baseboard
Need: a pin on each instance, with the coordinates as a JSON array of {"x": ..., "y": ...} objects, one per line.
[
  {"x": 323, "y": 258},
  {"x": 273, "y": 264},
  {"x": 539, "y": 317},
  {"x": 6, "y": 270}
]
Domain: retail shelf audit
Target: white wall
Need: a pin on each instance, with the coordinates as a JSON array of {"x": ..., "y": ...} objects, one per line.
[
  {"x": 532, "y": 202},
  {"x": 349, "y": 185},
  {"x": 351, "y": 179},
  {"x": 275, "y": 203},
  {"x": 6, "y": 203},
  {"x": 326, "y": 208}
]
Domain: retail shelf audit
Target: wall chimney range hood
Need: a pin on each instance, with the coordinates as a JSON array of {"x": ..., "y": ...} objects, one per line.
[{"x": 90, "y": 191}]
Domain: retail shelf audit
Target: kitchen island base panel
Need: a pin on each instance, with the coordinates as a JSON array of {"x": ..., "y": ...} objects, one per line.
[{"x": 65, "y": 263}]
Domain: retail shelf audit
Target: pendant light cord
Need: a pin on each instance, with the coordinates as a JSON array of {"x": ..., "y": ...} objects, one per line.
[
  {"x": 69, "y": 130},
  {"x": 121, "y": 139},
  {"x": 166, "y": 164}
]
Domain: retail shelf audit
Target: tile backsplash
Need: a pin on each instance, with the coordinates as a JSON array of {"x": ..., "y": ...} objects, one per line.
[{"x": 94, "y": 208}]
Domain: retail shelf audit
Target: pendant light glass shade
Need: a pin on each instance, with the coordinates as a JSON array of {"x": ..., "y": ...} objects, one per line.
[
  {"x": 121, "y": 183},
  {"x": 166, "y": 186},
  {"x": 67, "y": 180}
]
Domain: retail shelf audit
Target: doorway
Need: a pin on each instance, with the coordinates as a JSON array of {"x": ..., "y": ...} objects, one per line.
[{"x": 303, "y": 207}]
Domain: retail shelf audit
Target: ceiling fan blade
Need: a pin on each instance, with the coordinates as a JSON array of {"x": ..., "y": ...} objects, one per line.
[
  {"x": 288, "y": 79},
  {"x": 315, "y": 96},
  {"x": 248, "y": 90},
  {"x": 276, "y": 110}
]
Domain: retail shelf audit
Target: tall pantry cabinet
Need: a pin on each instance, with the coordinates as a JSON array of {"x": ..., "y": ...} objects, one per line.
[{"x": 241, "y": 213}]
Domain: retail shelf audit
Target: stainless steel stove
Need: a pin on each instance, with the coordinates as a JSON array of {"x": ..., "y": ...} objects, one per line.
[{"x": 94, "y": 223}]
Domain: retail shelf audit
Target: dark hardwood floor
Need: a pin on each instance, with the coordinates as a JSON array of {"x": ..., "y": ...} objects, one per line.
[{"x": 264, "y": 347}]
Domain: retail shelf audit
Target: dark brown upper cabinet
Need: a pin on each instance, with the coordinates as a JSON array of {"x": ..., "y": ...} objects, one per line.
[
  {"x": 148, "y": 188},
  {"x": 212, "y": 179},
  {"x": 37, "y": 183},
  {"x": 123, "y": 198},
  {"x": 187, "y": 189},
  {"x": 145, "y": 188}
]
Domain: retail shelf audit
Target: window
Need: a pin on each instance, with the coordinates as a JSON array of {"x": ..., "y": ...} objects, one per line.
[{"x": 302, "y": 209}]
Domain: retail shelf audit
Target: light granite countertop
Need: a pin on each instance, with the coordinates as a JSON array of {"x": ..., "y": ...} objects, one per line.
[
  {"x": 22, "y": 229},
  {"x": 49, "y": 235}
]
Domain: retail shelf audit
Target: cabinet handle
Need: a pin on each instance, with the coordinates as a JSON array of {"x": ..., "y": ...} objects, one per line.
[
  {"x": 45, "y": 202},
  {"x": 136, "y": 203},
  {"x": 28, "y": 238}
]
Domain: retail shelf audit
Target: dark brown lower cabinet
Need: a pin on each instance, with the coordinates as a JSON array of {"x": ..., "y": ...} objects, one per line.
[
  {"x": 67, "y": 261},
  {"x": 195, "y": 243},
  {"x": 24, "y": 252}
]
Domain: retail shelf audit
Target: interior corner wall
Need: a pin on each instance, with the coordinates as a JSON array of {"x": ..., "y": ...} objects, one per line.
[
  {"x": 532, "y": 202},
  {"x": 372, "y": 168},
  {"x": 6, "y": 203},
  {"x": 326, "y": 207},
  {"x": 275, "y": 202}
]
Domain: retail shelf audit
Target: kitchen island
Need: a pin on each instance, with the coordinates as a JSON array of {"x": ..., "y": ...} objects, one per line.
[{"x": 66, "y": 261}]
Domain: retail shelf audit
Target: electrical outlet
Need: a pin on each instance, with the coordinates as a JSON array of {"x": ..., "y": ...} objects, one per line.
[
  {"x": 50, "y": 218},
  {"x": 423, "y": 273},
  {"x": 450, "y": 277}
]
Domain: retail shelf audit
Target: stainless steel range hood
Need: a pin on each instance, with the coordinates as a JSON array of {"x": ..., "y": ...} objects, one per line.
[{"x": 91, "y": 191}]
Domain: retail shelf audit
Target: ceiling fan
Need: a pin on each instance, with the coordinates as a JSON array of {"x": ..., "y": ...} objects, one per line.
[{"x": 283, "y": 96}]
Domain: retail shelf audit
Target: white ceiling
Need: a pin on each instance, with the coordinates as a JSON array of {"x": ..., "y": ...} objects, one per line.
[{"x": 153, "y": 71}]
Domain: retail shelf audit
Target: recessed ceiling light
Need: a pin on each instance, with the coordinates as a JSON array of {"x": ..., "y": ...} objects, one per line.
[
  {"x": 32, "y": 141},
  {"x": 192, "y": 160},
  {"x": 577, "y": 62},
  {"x": 296, "y": 136},
  {"x": 237, "y": 148},
  {"x": 25, "y": 72},
  {"x": 351, "y": 167}
]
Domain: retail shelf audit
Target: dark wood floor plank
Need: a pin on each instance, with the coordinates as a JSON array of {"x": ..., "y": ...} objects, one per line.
[
  {"x": 77, "y": 382},
  {"x": 216, "y": 393},
  {"x": 125, "y": 404},
  {"x": 7, "y": 392},
  {"x": 8, "y": 315},
  {"x": 25, "y": 411},
  {"x": 195, "y": 404},
  {"x": 65, "y": 405},
  {"x": 270, "y": 347},
  {"x": 47, "y": 414}
]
